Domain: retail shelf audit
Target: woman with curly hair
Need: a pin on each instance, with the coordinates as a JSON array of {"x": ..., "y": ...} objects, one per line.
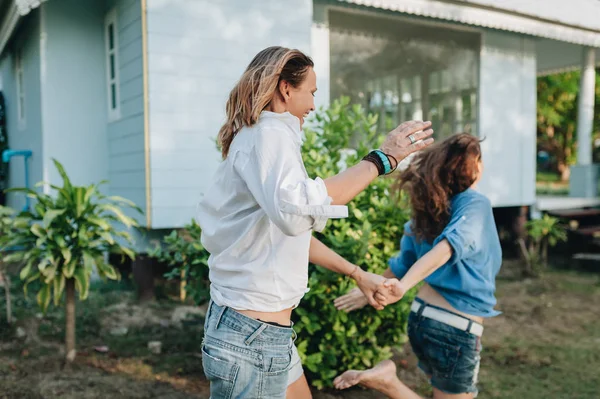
[{"x": 451, "y": 243}]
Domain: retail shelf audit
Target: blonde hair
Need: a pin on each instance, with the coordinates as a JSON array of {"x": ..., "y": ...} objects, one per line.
[{"x": 258, "y": 86}]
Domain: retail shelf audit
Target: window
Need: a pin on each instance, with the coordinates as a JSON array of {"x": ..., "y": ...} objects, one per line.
[
  {"x": 112, "y": 65},
  {"x": 401, "y": 69},
  {"x": 19, "y": 76}
]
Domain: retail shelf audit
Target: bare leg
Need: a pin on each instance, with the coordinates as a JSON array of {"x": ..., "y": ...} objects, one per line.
[
  {"x": 437, "y": 394},
  {"x": 299, "y": 389},
  {"x": 381, "y": 378}
]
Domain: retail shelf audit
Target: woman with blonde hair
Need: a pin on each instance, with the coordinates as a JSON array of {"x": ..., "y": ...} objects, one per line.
[
  {"x": 257, "y": 218},
  {"x": 451, "y": 243}
]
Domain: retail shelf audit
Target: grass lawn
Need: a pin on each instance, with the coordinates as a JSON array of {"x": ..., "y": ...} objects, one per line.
[
  {"x": 550, "y": 184},
  {"x": 546, "y": 344}
]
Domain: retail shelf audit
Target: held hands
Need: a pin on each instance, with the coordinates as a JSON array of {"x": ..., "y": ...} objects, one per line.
[
  {"x": 390, "y": 291},
  {"x": 368, "y": 284},
  {"x": 374, "y": 290}
]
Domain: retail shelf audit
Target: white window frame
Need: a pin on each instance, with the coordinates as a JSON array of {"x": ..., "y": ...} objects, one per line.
[
  {"x": 20, "y": 83},
  {"x": 112, "y": 70}
]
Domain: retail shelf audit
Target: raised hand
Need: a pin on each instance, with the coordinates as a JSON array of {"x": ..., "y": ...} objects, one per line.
[
  {"x": 353, "y": 300},
  {"x": 390, "y": 291},
  {"x": 407, "y": 138}
]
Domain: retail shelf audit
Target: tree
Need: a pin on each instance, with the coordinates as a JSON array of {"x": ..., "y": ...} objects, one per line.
[
  {"x": 63, "y": 239},
  {"x": 557, "y": 118}
]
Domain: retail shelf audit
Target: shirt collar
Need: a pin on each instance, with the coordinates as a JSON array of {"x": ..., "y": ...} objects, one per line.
[{"x": 290, "y": 120}]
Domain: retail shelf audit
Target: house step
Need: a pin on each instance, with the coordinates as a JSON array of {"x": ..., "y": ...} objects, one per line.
[
  {"x": 575, "y": 213},
  {"x": 588, "y": 231},
  {"x": 587, "y": 256}
]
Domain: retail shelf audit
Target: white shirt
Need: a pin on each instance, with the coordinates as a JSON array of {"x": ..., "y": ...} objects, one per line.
[{"x": 258, "y": 215}]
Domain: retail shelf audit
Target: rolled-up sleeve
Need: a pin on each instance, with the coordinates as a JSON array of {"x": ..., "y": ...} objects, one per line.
[
  {"x": 464, "y": 232},
  {"x": 275, "y": 175},
  {"x": 400, "y": 264}
]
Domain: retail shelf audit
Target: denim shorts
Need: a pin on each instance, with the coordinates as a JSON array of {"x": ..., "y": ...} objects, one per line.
[
  {"x": 447, "y": 354},
  {"x": 246, "y": 358}
]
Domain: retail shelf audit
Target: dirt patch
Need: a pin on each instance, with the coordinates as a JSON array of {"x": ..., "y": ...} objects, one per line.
[
  {"x": 33, "y": 379},
  {"x": 127, "y": 315}
]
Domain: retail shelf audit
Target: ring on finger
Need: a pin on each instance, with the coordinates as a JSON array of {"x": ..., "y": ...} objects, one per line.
[{"x": 412, "y": 139}]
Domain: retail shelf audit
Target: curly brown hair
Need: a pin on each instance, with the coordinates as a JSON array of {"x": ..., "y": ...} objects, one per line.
[{"x": 436, "y": 175}]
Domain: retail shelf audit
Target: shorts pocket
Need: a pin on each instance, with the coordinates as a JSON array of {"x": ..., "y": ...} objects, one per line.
[
  {"x": 221, "y": 373},
  {"x": 441, "y": 356},
  {"x": 279, "y": 364}
]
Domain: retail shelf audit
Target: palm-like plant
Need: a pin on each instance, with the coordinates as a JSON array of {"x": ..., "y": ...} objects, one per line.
[
  {"x": 64, "y": 238},
  {"x": 542, "y": 233}
]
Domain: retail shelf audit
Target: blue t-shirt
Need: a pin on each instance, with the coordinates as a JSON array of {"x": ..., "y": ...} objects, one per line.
[{"x": 468, "y": 280}]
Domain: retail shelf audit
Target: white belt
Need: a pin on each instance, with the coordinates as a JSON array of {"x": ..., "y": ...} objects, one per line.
[{"x": 462, "y": 323}]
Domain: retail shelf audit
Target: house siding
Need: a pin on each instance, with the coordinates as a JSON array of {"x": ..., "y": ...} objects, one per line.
[
  {"x": 507, "y": 118},
  {"x": 126, "y": 143},
  {"x": 197, "y": 50},
  {"x": 29, "y": 135}
]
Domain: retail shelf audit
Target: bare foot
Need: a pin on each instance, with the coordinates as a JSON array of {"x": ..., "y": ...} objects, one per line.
[{"x": 376, "y": 378}]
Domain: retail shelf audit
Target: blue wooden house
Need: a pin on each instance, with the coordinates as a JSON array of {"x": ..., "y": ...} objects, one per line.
[{"x": 133, "y": 91}]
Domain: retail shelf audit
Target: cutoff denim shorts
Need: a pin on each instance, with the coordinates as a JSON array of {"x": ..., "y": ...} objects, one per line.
[
  {"x": 246, "y": 358},
  {"x": 449, "y": 355}
]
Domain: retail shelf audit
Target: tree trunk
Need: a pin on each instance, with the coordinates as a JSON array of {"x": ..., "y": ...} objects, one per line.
[
  {"x": 565, "y": 173},
  {"x": 70, "y": 321},
  {"x": 545, "y": 252},
  {"x": 6, "y": 279},
  {"x": 182, "y": 286}
]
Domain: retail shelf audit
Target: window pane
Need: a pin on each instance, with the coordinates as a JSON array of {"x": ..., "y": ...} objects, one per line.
[
  {"x": 111, "y": 36},
  {"x": 113, "y": 96},
  {"x": 407, "y": 71},
  {"x": 112, "y": 66}
]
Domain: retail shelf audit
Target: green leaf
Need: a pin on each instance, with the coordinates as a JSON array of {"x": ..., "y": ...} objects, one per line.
[
  {"x": 14, "y": 257},
  {"x": 88, "y": 261},
  {"x": 126, "y": 220},
  {"x": 89, "y": 193},
  {"x": 38, "y": 230},
  {"x": 103, "y": 224},
  {"x": 107, "y": 237},
  {"x": 29, "y": 281},
  {"x": 49, "y": 274},
  {"x": 59, "y": 286},
  {"x": 82, "y": 283},
  {"x": 26, "y": 270},
  {"x": 130, "y": 254},
  {"x": 61, "y": 170},
  {"x": 69, "y": 269},
  {"x": 125, "y": 201},
  {"x": 43, "y": 297},
  {"x": 52, "y": 214},
  {"x": 66, "y": 254},
  {"x": 80, "y": 204}
]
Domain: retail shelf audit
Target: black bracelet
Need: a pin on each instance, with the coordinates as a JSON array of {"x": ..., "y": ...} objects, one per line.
[
  {"x": 395, "y": 160},
  {"x": 374, "y": 159}
]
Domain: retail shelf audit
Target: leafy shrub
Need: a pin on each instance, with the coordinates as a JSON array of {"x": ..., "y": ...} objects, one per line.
[
  {"x": 331, "y": 341},
  {"x": 189, "y": 260},
  {"x": 541, "y": 234}
]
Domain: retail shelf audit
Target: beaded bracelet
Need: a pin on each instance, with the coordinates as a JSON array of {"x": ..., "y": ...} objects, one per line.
[{"x": 381, "y": 161}]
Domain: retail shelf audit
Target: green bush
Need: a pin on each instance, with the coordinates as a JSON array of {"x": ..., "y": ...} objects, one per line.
[
  {"x": 331, "y": 341},
  {"x": 183, "y": 251}
]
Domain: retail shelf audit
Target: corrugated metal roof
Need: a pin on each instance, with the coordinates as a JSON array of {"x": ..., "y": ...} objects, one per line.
[
  {"x": 510, "y": 18},
  {"x": 580, "y": 13}
]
